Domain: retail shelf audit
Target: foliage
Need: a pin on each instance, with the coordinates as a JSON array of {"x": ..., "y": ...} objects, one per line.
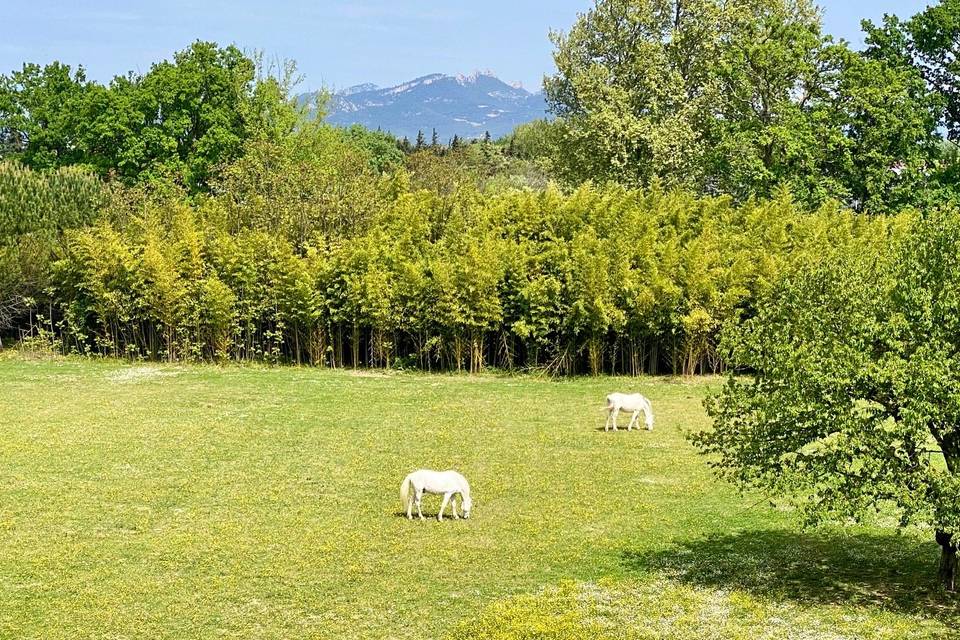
[
  {"x": 384, "y": 150},
  {"x": 926, "y": 43},
  {"x": 852, "y": 406},
  {"x": 740, "y": 98},
  {"x": 179, "y": 121},
  {"x": 317, "y": 182},
  {"x": 35, "y": 209},
  {"x": 311, "y": 256}
]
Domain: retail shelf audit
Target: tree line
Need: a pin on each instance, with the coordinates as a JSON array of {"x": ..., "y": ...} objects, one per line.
[
  {"x": 332, "y": 263},
  {"x": 191, "y": 212}
]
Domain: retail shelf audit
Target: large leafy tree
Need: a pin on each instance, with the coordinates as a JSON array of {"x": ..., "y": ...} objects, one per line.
[
  {"x": 698, "y": 93},
  {"x": 320, "y": 181},
  {"x": 930, "y": 43},
  {"x": 853, "y": 403},
  {"x": 194, "y": 110},
  {"x": 739, "y": 98},
  {"x": 874, "y": 127},
  {"x": 927, "y": 46},
  {"x": 40, "y": 114},
  {"x": 634, "y": 84},
  {"x": 182, "y": 120},
  {"x": 769, "y": 70}
]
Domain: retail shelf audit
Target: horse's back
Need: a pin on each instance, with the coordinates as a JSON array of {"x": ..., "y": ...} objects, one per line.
[
  {"x": 629, "y": 401},
  {"x": 438, "y": 481},
  {"x": 615, "y": 399},
  {"x": 456, "y": 475}
]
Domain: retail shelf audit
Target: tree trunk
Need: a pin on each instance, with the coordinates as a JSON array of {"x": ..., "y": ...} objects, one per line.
[
  {"x": 595, "y": 356},
  {"x": 355, "y": 344},
  {"x": 948, "y": 560}
]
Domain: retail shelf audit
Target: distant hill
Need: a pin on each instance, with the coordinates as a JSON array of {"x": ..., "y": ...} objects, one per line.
[{"x": 466, "y": 106}]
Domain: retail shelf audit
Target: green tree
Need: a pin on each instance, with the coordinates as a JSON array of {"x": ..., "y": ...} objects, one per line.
[
  {"x": 875, "y": 126},
  {"x": 926, "y": 42},
  {"x": 41, "y": 111},
  {"x": 740, "y": 98},
  {"x": 635, "y": 81},
  {"x": 853, "y": 403},
  {"x": 384, "y": 150},
  {"x": 181, "y": 121},
  {"x": 319, "y": 181},
  {"x": 769, "y": 70}
]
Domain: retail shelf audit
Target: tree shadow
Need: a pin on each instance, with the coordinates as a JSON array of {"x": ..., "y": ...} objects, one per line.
[{"x": 893, "y": 572}]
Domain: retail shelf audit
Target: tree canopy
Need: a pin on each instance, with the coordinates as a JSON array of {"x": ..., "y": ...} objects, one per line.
[
  {"x": 853, "y": 401},
  {"x": 741, "y": 98},
  {"x": 181, "y": 120}
]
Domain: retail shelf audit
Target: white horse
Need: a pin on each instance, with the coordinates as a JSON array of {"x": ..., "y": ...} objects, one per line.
[
  {"x": 632, "y": 402},
  {"x": 449, "y": 483}
]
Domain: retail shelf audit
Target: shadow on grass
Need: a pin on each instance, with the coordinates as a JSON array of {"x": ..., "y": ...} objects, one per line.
[
  {"x": 894, "y": 572},
  {"x": 429, "y": 515}
]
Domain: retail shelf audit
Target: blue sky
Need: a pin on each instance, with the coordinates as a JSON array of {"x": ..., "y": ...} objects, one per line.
[{"x": 336, "y": 43}]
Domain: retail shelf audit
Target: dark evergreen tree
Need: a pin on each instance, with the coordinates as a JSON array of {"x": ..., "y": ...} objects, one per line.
[{"x": 421, "y": 141}]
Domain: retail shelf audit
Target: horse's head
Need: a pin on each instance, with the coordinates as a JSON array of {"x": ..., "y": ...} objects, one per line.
[{"x": 466, "y": 504}]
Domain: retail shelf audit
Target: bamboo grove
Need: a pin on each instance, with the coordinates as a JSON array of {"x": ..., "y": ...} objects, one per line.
[{"x": 303, "y": 253}]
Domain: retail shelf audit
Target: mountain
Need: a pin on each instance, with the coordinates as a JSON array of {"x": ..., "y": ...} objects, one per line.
[{"x": 467, "y": 106}]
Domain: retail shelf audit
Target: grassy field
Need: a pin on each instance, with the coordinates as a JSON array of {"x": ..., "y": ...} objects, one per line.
[{"x": 201, "y": 502}]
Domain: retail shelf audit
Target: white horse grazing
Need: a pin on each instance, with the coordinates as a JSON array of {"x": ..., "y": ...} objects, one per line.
[
  {"x": 632, "y": 402},
  {"x": 449, "y": 483}
]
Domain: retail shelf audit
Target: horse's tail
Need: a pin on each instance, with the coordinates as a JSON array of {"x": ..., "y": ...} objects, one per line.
[{"x": 405, "y": 492}]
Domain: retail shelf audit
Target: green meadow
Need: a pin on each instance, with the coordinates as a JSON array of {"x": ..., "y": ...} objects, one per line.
[{"x": 151, "y": 501}]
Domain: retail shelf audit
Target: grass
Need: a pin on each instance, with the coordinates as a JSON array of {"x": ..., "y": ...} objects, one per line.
[{"x": 203, "y": 502}]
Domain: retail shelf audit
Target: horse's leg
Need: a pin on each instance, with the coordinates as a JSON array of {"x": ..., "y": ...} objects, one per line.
[
  {"x": 606, "y": 425},
  {"x": 409, "y": 507},
  {"x": 443, "y": 505},
  {"x": 633, "y": 420},
  {"x": 453, "y": 505},
  {"x": 419, "y": 499},
  {"x": 616, "y": 412}
]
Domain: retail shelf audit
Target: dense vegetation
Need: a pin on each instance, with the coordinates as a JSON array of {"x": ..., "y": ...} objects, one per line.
[
  {"x": 357, "y": 269},
  {"x": 747, "y": 97},
  {"x": 853, "y": 406},
  {"x": 675, "y": 185}
]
